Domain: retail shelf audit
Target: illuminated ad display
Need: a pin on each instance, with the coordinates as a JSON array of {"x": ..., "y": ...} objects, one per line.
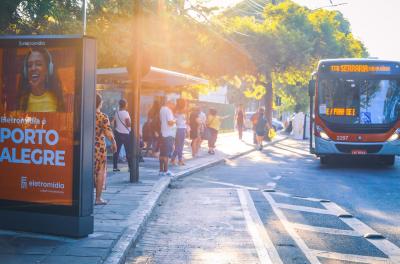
[{"x": 37, "y": 86}]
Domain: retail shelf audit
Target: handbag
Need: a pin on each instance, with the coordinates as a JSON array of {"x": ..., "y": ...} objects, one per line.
[
  {"x": 131, "y": 141},
  {"x": 271, "y": 133},
  {"x": 130, "y": 130}
]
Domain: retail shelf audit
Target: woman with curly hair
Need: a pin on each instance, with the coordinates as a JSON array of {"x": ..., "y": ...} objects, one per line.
[{"x": 103, "y": 129}]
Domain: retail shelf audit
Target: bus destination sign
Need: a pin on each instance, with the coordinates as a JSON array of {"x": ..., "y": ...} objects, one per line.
[
  {"x": 361, "y": 68},
  {"x": 339, "y": 111}
]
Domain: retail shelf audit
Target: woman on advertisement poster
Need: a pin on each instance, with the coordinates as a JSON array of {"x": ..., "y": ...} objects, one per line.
[{"x": 40, "y": 88}]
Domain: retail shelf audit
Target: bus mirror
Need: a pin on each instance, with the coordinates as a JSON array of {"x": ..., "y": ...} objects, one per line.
[{"x": 311, "y": 88}]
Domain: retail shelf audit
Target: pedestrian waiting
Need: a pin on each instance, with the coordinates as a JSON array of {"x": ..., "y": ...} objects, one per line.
[
  {"x": 261, "y": 127},
  {"x": 195, "y": 123},
  {"x": 168, "y": 133},
  {"x": 239, "y": 118},
  {"x": 153, "y": 117},
  {"x": 180, "y": 116},
  {"x": 122, "y": 126},
  {"x": 213, "y": 125},
  {"x": 147, "y": 137},
  {"x": 203, "y": 125},
  {"x": 103, "y": 129}
]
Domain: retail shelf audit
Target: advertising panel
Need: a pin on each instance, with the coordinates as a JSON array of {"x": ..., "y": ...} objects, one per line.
[{"x": 37, "y": 89}]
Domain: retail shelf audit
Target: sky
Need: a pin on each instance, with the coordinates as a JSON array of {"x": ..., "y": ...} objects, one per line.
[{"x": 375, "y": 22}]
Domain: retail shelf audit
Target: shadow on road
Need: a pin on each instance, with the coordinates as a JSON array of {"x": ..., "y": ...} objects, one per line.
[{"x": 350, "y": 162}]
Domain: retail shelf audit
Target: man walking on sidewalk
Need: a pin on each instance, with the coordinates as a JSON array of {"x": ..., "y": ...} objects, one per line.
[{"x": 168, "y": 133}]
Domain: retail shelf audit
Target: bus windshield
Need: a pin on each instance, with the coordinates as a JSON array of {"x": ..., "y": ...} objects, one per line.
[{"x": 359, "y": 101}]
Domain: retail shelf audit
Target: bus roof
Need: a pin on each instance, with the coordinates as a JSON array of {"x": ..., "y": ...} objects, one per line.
[{"x": 355, "y": 60}]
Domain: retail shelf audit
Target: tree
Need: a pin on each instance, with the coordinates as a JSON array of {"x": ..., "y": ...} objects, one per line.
[
  {"x": 288, "y": 42},
  {"x": 39, "y": 17}
]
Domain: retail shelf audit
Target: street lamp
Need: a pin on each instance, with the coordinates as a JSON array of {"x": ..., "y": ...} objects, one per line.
[{"x": 84, "y": 7}]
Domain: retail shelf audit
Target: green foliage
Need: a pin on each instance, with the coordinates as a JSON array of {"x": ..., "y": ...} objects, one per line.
[
  {"x": 287, "y": 43},
  {"x": 39, "y": 17},
  {"x": 276, "y": 42}
]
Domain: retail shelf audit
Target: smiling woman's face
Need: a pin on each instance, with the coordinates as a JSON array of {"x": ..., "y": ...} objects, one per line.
[{"x": 37, "y": 70}]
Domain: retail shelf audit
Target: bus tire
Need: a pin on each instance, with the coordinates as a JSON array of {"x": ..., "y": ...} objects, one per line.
[
  {"x": 389, "y": 160},
  {"x": 323, "y": 160}
]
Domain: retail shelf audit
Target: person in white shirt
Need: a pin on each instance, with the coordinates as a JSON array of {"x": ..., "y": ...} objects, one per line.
[
  {"x": 122, "y": 126},
  {"x": 180, "y": 115},
  {"x": 203, "y": 120},
  {"x": 168, "y": 133}
]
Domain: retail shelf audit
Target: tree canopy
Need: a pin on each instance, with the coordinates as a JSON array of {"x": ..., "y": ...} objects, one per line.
[
  {"x": 286, "y": 44},
  {"x": 255, "y": 46}
]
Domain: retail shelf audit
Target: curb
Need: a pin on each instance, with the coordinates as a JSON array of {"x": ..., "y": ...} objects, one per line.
[
  {"x": 138, "y": 219},
  {"x": 136, "y": 222}
]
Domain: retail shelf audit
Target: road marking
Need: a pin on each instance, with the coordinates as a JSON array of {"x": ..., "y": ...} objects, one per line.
[
  {"x": 290, "y": 229},
  {"x": 229, "y": 184},
  {"x": 326, "y": 230},
  {"x": 277, "y": 178},
  {"x": 384, "y": 245},
  {"x": 303, "y": 208},
  {"x": 266, "y": 251},
  {"x": 298, "y": 197},
  {"x": 294, "y": 148},
  {"x": 349, "y": 257},
  {"x": 359, "y": 229}
]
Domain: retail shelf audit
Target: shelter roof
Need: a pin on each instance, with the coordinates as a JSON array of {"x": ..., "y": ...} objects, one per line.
[{"x": 156, "y": 78}]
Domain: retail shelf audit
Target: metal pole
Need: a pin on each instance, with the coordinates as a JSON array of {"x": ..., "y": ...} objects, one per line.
[
  {"x": 136, "y": 87},
  {"x": 84, "y": 5}
]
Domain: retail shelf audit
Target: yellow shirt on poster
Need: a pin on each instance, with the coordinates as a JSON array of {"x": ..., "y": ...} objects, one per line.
[{"x": 46, "y": 102}]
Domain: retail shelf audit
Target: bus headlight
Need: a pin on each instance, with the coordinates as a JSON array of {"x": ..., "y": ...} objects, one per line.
[
  {"x": 395, "y": 136},
  {"x": 322, "y": 133}
]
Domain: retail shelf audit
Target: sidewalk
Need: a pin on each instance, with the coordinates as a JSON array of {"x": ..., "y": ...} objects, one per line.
[{"x": 118, "y": 224}]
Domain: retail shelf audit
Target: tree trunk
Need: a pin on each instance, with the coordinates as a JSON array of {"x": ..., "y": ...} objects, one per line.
[{"x": 268, "y": 102}]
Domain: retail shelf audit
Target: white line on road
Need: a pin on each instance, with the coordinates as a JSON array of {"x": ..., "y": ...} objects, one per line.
[
  {"x": 349, "y": 257},
  {"x": 303, "y": 208},
  {"x": 277, "y": 178},
  {"x": 384, "y": 245},
  {"x": 290, "y": 229},
  {"x": 265, "y": 248},
  {"x": 228, "y": 184},
  {"x": 297, "y": 197},
  {"x": 326, "y": 230},
  {"x": 359, "y": 229}
]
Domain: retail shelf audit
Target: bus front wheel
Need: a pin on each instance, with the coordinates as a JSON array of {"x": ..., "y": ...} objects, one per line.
[
  {"x": 323, "y": 160},
  {"x": 389, "y": 160}
]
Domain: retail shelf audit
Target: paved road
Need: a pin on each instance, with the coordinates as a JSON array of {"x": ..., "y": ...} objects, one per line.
[{"x": 228, "y": 214}]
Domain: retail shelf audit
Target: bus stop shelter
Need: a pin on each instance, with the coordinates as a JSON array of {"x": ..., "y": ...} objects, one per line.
[{"x": 115, "y": 83}]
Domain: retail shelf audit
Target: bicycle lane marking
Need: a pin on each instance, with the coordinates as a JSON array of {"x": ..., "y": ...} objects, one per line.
[
  {"x": 350, "y": 257},
  {"x": 266, "y": 250},
  {"x": 332, "y": 209},
  {"x": 384, "y": 245},
  {"x": 290, "y": 229},
  {"x": 227, "y": 184}
]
